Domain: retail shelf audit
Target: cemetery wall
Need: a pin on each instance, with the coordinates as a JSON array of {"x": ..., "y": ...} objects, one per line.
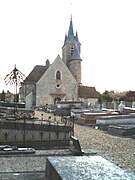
[{"x": 15, "y": 133}]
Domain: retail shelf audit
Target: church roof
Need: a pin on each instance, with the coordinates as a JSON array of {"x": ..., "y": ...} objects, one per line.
[
  {"x": 76, "y": 37},
  {"x": 36, "y": 73},
  {"x": 71, "y": 37},
  {"x": 76, "y": 54},
  {"x": 87, "y": 92},
  {"x": 71, "y": 31},
  {"x": 65, "y": 38}
]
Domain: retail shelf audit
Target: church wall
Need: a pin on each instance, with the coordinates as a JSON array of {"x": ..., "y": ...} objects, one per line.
[
  {"x": 46, "y": 87},
  {"x": 75, "y": 68},
  {"x": 66, "y": 53},
  {"x": 29, "y": 100},
  {"x": 29, "y": 87}
]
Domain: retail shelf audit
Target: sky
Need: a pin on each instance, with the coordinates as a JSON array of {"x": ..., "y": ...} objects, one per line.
[{"x": 32, "y": 31}]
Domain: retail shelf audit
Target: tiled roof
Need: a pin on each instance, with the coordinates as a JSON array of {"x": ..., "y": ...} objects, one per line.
[
  {"x": 87, "y": 92},
  {"x": 76, "y": 54},
  {"x": 36, "y": 73}
]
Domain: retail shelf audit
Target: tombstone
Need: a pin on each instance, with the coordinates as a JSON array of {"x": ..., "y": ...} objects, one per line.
[
  {"x": 76, "y": 149},
  {"x": 121, "y": 107},
  {"x": 84, "y": 167},
  {"x": 133, "y": 104}
]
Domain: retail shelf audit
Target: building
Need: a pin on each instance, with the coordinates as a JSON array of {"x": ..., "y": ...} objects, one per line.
[{"x": 60, "y": 80}]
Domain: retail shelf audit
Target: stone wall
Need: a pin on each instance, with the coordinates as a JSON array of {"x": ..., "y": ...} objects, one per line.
[
  {"x": 27, "y": 134},
  {"x": 47, "y": 89}
]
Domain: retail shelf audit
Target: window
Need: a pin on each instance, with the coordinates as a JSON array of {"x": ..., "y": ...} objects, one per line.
[
  {"x": 72, "y": 50},
  {"x": 58, "y": 75}
]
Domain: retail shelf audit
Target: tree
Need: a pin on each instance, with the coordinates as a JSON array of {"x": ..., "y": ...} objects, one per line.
[
  {"x": 106, "y": 96},
  {"x": 99, "y": 99},
  {"x": 118, "y": 96},
  {"x": 130, "y": 96}
]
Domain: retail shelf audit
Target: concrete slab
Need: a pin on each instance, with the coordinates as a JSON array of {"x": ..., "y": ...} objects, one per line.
[
  {"x": 84, "y": 167},
  {"x": 122, "y": 130},
  {"x": 23, "y": 176}
]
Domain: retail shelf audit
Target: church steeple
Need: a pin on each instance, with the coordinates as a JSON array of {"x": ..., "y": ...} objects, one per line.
[
  {"x": 71, "y": 53},
  {"x": 65, "y": 38},
  {"x": 75, "y": 55},
  {"x": 76, "y": 37},
  {"x": 70, "y": 37},
  {"x": 71, "y": 31}
]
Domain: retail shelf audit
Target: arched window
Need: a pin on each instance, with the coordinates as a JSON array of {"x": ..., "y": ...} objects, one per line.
[{"x": 58, "y": 75}]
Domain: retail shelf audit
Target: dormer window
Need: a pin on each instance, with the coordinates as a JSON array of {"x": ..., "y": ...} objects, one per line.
[{"x": 58, "y": 75}]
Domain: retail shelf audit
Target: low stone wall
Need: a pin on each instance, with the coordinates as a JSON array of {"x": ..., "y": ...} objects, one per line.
[{"x": 40, "y": 134}]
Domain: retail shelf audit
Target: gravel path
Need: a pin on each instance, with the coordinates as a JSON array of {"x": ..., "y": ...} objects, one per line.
[{"x": 119, "y": 149}]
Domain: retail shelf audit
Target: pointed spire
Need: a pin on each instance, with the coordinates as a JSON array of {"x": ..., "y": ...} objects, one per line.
[
  {"x": 76, "y": 54},
  {"x": 65, "y": 39},
  {"x": 71, "y": 31},
  {"x": 76, "y": 37},
  {"x": 70, "y": 37}
]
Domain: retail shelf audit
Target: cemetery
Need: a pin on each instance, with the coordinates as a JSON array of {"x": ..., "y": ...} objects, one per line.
[
  {"x": 53, "y": 149},
  {"x": 72, "y": 161}
]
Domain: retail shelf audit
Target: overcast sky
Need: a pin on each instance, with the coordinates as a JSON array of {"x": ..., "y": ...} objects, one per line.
[{"x": 32, "y": 31}]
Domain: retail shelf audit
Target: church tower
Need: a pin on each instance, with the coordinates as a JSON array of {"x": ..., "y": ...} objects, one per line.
[{"x": 71, "y": 53}]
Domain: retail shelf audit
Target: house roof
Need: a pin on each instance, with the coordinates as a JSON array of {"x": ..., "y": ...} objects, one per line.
[
  {"x": 87, "y": 92},
  {"x": 36, "y": 73}
]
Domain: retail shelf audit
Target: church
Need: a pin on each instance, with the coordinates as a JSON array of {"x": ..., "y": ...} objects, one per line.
[{"x": 59, "y": 81}]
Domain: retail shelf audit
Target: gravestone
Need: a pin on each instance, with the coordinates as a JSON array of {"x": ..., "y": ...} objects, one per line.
[
  {"x": 121, "y": 107},
  {"x": 76, "y": 148},
  {"x": 84, "y": 167},
  {"x": 122, "y": 130}
]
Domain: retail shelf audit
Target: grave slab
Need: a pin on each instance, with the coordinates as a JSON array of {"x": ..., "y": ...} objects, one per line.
[{"x": 84, "y": 167}]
